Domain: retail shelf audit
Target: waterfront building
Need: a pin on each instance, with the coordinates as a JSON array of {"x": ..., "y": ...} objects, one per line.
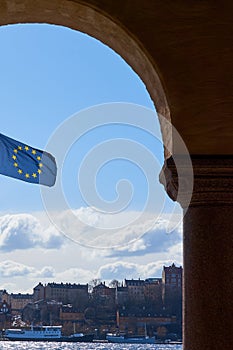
[
  {"x": 172, "y": 276},
  {"x": 38, "y": 292},
  {"x": 75, "y": 294},
  {"x": 103, "y": 306},
  {"x": 42, "y": 311},
  {"x": 172, "y": 281},
  {"x": 17, "y": 301},
  {"x": 69, "y": 313},
  {"x": 104, "y": 292},
  {"x": 121, "y": 295},
  {"x": 2, "y": 291},
  {"x": 134, "y": 320},
  {"x": 153, "y": 291},
  {"x": 135, "y": 290},
  {"x": 5, "y": 315}
]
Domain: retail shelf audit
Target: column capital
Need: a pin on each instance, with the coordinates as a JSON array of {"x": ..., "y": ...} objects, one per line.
[{"x": 210, "y": 180}]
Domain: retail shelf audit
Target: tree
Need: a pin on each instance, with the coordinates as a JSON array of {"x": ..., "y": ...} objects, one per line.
[
  {"x": 93, "y": 283},
  {"x": 114, "y": 283}
]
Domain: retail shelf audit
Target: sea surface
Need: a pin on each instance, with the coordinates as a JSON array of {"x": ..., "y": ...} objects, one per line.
[{"x": 17, "y": 345}]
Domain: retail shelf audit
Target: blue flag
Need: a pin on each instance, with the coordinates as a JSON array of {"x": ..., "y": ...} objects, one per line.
[{"x": 26, "y": 163}]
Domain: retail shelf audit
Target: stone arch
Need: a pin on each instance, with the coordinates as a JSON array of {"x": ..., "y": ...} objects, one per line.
[{"x": 93, "y": 21}]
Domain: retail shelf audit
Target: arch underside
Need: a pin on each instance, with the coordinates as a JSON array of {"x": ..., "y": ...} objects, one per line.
[
  {"x": 181, "y": 51},
  {"x": 94, "y": 22}
]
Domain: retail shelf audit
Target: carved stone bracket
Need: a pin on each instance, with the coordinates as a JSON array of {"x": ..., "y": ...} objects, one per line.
[{"x": 212, "y": 178}]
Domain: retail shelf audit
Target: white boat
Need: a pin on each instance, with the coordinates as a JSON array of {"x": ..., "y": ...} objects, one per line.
[
  {"x": 115, "y": 338},
  {"x": 45, "y": 333},
  {"x": 34, "y": 333}
]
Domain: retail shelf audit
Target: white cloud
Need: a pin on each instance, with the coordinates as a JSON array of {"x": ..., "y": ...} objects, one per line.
[
  {"x": 12, "y": 269},
  {"x": 124, "y": 231},
  {"x": 23, "y": 231},
  {"x": 153, "y": 241},
  {"x": 146, "y": 234},
  {"x": 122, "y": 270},
  {"x": 9, "y": 268},
  {"x": 46, "y": 272},
  {"x": 9, "y": 286},
  {"x": 118, "y": 270},
  {"x": 75, "y": 275},
  {"x": 31, "y": 276}
]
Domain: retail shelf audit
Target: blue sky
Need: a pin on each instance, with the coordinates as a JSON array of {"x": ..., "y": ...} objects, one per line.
[{"x": 48, "y": 74}]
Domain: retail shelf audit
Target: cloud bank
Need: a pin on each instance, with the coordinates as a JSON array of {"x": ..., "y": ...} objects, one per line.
[
  {"x": 9, "y": 268},
  {"x": 128, "y": 232},
  {"x": 33, "y": 250},
  {"x": 146, "y": 235},
  {"x": 23, "y": 231},
  {"x": 107, "y": 272},
  {"x": 121, "y": 270}
]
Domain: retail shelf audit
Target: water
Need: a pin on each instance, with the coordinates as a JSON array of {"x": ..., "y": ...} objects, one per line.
[{"x": 15, "y": 345}]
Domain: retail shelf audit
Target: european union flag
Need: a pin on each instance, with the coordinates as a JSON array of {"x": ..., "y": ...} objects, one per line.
[{"x": 26, "y": 163}]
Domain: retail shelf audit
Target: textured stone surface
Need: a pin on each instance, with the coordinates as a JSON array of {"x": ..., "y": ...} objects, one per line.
[
  {"x": 208, "y": 277},
  {"x": 212, "y": 178},
  {"x": 208, "y": 249}
]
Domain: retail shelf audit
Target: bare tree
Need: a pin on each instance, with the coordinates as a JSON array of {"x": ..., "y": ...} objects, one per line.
[
  {"x": 114, "y": 283},
  {"x": 93, "y": 283}
]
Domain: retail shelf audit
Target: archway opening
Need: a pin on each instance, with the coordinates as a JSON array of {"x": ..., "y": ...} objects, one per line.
[{"x": 46, "y": 90}]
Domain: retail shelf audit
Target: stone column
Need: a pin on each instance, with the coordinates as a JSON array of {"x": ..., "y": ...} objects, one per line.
[{"x": 208, "y": 250}]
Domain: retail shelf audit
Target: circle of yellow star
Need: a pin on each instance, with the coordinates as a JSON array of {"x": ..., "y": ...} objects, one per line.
[{"x": 16, "y": 164}]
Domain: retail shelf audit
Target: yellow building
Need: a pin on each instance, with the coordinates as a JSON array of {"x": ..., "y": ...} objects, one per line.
[
  {"x": 17, "y": 301},
  {"x": 75, "y": 294}
]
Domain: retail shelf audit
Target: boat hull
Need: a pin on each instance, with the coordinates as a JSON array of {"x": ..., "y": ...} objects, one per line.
[
  {"x": 84, "y": 339},
  {"x": 131, "y": 340},
  {"x": 87, "y": 338},
  {"x": 45, "y": 334}
]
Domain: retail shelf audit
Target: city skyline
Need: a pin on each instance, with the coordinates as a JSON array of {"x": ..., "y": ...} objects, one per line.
[
  {"x": 96, "y": 281},
  {"x": 154, "y": 302}
]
